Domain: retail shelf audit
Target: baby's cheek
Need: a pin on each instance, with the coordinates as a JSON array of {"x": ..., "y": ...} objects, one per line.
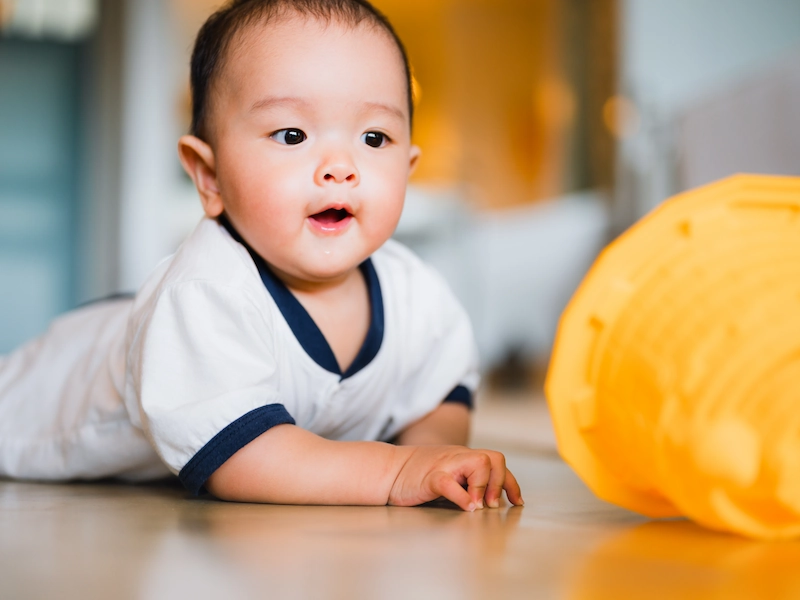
[{"x": 384, "y": 221}]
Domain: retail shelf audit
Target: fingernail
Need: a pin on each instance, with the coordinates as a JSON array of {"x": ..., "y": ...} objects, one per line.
[
  {"x": 493, "y": 503},
  {"x": 480, "y": 505},
  {"x": 471, "y": 507}
]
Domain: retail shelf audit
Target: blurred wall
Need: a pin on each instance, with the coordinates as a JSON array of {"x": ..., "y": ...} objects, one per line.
[
  {"x": 158, "y": 206},
  {"x": 675, "y": 54},
  {"x": 101, "y": 116},
  {"x": 751, "y": 127}
]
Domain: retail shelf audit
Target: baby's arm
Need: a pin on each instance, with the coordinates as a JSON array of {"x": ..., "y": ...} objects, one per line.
[
  {"x": 288, "y": 465},
  {"x": 447, "y": 424}
]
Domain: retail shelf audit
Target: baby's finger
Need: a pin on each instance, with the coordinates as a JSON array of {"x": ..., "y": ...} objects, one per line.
[
  {"x": 445, "y": 485},
  {"x": 497, "y": 478},
  {"x": 478, "y": 477},
  {"x": 512, "y": 489}
]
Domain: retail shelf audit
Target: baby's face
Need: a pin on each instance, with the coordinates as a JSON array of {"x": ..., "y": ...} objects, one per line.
[{"x": 312, "y": 145}]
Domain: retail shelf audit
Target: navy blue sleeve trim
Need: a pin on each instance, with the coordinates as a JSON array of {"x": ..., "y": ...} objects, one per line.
[
  {"x": 460, "y": 395},
  {"x": 228, "y": 441}
]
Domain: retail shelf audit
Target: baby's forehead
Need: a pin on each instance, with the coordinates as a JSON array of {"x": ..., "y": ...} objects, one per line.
[{"x": 254, "y": 39}]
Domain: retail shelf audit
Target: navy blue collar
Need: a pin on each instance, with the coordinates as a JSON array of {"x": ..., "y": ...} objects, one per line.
[{"x": 303, "y": 326}]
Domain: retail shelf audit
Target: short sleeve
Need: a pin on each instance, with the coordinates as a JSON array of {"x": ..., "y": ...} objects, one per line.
[
  {"x": 202, "y": 375},
  {"x": 461, "y": 394}
]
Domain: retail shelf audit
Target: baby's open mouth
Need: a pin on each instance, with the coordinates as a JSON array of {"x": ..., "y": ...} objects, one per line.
[{"x": 330, "y": 217}]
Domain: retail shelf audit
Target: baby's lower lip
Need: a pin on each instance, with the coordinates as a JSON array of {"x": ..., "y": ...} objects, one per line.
[{"x": 330, "y": 221}]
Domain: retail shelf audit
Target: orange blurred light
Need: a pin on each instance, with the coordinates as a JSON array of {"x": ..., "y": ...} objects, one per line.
[
  {"x": 6, "y": 12},
  {"x": 554, "y": 101},
  {"x": 621, "y": 117}
]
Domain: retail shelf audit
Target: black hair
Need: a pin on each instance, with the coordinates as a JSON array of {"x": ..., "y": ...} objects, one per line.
[{"x": 215, "y": 37}]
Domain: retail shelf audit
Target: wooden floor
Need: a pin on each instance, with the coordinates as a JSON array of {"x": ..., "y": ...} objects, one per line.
[{"x": 155, "y": 542}]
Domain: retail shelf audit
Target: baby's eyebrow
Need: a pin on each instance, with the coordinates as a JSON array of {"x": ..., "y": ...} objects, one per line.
[
  {"x": 271, "y": 101},
  {"x": 294, "y": 101},
  {"x": 387, "y": 108}
]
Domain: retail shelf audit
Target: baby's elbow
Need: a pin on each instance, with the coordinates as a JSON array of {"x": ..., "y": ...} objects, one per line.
[{"x": 226, "y": 484}]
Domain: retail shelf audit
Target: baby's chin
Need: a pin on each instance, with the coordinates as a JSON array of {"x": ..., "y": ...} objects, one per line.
[
  {"x": 331, "y": 258},
  {"x": 335, "y": 270},
  {"x": 327, "y": 269}
]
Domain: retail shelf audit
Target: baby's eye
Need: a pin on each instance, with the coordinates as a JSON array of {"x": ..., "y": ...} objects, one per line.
[
  {"x": 290, "y": 137},
  {"x": 375, "y": 139}
]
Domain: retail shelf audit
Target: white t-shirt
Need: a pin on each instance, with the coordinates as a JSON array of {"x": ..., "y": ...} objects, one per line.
[{"x": 213, "y": 352}]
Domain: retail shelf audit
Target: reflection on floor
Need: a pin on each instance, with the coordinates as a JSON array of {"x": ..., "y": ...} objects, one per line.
[{"x": 154, "y": 542}]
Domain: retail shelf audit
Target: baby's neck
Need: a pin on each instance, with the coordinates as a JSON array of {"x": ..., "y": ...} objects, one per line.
[{"x": 341, "y": 311}]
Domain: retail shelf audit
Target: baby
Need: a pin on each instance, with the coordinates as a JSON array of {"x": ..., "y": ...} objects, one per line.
[{"x": 288, "y": 340}]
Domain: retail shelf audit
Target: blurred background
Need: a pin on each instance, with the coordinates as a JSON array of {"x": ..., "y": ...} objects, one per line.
[{"x": 547, "y": 127}]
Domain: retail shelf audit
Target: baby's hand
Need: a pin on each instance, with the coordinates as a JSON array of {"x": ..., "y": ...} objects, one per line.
[{"x": 434, "y": 471}]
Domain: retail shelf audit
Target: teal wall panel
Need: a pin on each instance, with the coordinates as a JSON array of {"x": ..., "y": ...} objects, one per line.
[{"x": 39, "y": 173}]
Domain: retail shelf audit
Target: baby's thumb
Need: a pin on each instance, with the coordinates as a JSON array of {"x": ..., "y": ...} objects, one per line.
[{"x": 444, "y": 484}]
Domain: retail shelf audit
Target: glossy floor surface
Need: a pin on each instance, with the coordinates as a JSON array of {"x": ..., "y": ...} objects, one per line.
[{"x": 155, "y": 542}]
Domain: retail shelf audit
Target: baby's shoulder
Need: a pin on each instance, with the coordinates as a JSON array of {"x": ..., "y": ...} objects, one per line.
[
  {"x": 208, "y": 262},
  {"x": 411, "y": 282},
  {"x": 211, "y": 254}
]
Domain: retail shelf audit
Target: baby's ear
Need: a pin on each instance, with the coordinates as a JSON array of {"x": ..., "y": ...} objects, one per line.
[
  {"x": 197, "y": 159},
  {"x": 413, "y": 157}
]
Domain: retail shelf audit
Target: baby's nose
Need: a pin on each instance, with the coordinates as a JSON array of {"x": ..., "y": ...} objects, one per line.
[
  {"x": 340, "y": 175},
  {"x": 337, "y": 171}
]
